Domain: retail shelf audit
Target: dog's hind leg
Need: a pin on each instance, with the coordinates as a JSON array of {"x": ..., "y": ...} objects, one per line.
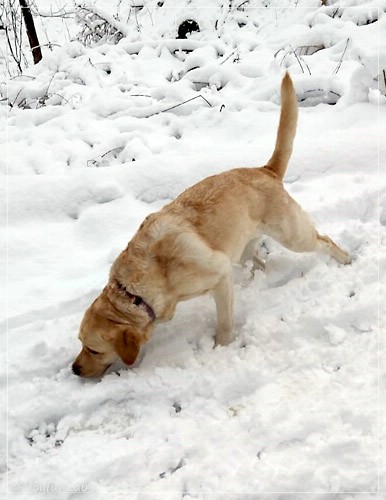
[
  {"x": 327, "y": 245},
  {"x": 223, "y": 296},
  {"x": 292, "y": 227}
]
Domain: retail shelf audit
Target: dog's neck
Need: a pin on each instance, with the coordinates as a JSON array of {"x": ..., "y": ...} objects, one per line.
[{"x": 138, "y": 301}]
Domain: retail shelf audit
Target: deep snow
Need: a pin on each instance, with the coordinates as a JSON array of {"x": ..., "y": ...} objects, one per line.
[{"x": 294, "y": 407}]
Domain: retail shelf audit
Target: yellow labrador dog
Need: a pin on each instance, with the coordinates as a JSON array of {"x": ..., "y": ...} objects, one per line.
[{"x": 187, "y": 249}]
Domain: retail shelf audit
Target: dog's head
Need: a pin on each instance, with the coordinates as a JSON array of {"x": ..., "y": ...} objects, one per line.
[{"x": 108, "y": 333}]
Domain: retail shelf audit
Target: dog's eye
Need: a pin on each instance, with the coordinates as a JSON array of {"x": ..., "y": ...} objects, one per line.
[
  {"x": 91, "y": 351},
  {"x": 137, "y": 301}
]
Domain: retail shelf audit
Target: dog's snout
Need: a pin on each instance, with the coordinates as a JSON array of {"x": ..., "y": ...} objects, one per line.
[{"x": 76, "y": 369}]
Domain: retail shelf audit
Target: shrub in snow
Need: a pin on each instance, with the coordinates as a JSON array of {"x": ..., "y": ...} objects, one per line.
[
  {"x": 130, "y": 64},
  {"x": 97, "y": 25}
]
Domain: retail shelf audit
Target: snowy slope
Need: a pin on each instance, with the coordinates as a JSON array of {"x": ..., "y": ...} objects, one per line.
[{"x": 295, "y": 405}]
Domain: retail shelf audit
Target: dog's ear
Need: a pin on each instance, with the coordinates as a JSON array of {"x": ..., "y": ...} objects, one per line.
[{"x": 127, "y": 345}]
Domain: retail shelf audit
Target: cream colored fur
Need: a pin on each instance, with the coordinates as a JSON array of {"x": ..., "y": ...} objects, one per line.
[{"x": 188, "y": 248}]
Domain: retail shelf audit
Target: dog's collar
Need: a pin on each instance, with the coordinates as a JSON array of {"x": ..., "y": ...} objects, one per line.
[{"x": 138, "y": 301}]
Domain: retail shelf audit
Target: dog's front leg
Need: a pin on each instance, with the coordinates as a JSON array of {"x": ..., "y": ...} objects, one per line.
[{"x": 223, "y": 296}]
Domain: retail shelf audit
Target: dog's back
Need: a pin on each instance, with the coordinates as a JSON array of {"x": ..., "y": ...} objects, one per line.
[{"x": 227, "y": 209}]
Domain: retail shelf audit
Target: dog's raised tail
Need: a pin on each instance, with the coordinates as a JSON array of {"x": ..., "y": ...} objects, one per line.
[{"x": 287, "y": 129}]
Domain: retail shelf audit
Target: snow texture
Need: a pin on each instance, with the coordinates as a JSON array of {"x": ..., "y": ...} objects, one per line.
[{"x": 294, "y": 408}]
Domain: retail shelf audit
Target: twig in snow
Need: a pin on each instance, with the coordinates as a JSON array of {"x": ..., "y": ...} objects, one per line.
[
  {"x": 335, "y": 72},
  {"x": 136, "y": 20},
  {"x": 14, "y": 102},
  {"x": 230, "y": 55},
  {"x": 22, "y": 76},
  {"x": 49, "y": 83},
  {"x": 148, "y": 11},
  {"x": 179, "y": 104},
  {"x": 64, "y": 99},
  {"x": 49, "y": 45},
  {"x": 95, "y": 161},
  {"x": 298, "y": 60},
  {"x": 239, "y": 7},
  {"x": 326, "y": 93},
  {"x": 335, "y": 13},
  {"x": 61, "y": 12},
  {"x": 322, "y": 90},
  {"x": 308, "y": 50}
]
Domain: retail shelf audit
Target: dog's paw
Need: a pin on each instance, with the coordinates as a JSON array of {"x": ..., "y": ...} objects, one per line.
[
  {"x": 222, "y": 338},
  {"x": 347, "y": 259},
  {"x": 342, "y": 256}
]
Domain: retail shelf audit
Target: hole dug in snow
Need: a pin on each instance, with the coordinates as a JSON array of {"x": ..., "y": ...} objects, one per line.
[{"x": 187, "y": 27}]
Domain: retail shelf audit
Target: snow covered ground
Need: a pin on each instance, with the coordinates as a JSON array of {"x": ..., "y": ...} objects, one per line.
[{"x": 295, "y": 406}]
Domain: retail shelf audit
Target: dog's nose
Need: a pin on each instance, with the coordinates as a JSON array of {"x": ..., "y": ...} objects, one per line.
[{"x": 76, "y": 369}]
